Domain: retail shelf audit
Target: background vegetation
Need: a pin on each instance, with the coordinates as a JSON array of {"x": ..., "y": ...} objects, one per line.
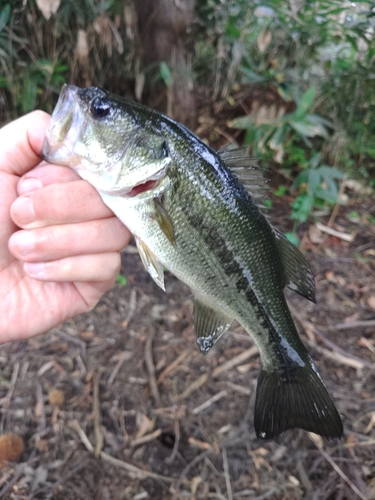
[{"x": 297, "y": 76}]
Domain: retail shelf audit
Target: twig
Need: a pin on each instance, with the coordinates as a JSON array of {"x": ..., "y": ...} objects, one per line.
[
  {"x": 132, "y": 308},
  {"x": 97, "y": 415},
  {"x": 122, "y": 357},
  {"x": 39, "y": 409},
  {"x": 333, "y": 232},
  {"x": 147, "y": 438},
  {"x": 19, "y": 473},
  {"x": 176, "y": 443},
  {"x": 338, "y": 354},
  {"x": 114, "y": 461},
  {"x": 240, "y": 358},
  {"x": 238, "y": 388},
  {"x": 71, "y": 339},
  {"x": 169, "y": 369},
  {"x": 13, "y": 381},
  {"x": 151, "y": 367},
  {"x": 370, "y": 442},
  {"x": 339, "y": 358},
  {"x": 354, "y": 324},
  {"x": 335, "y": 466},
  {"x": 209, "y": 402},
  {"x": 226, "y": 473}
]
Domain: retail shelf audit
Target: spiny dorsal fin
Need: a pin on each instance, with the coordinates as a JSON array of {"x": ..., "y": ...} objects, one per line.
[
  {"x": 298, "y": 275},
  {"x": 151, "y": 263},
  {"x": 248, "y": 171},
  {"x": 209, "y": 325}
]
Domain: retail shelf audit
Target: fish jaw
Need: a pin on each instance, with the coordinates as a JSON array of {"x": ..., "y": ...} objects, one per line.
[{"x": 64, "y": 130}]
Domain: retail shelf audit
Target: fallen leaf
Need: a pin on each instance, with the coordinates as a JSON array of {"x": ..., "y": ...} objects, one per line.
[
  {"x": 48, "y": 7},
  {"x": 371, "y": 301},
  {"x": 11, "y": 447}
]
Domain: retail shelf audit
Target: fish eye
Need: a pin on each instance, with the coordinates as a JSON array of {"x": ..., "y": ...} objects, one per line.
[{"x": 100, "y": 108}]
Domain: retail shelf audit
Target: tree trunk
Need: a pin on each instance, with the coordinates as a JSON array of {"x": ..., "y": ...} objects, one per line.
[{"x": 163, "y": 27}]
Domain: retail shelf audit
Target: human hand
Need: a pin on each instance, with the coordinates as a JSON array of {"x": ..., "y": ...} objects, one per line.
[{"x": 66, "y": 254}]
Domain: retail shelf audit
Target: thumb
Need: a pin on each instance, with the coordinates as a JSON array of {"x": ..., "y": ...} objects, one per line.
[{"x": 21, "y": 143}]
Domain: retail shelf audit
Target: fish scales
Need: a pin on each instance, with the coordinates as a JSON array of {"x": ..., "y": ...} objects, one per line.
[{"x": 190, "y": 213}]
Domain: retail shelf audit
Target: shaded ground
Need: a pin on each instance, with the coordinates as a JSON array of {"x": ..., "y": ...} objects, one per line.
[{"x": 126, "y": 384}]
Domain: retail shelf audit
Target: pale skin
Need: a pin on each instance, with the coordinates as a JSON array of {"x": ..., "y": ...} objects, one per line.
[{"x": 59, "y": 244}]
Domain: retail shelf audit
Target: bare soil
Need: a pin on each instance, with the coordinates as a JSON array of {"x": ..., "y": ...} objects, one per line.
[{"x": 119, "y": 404}]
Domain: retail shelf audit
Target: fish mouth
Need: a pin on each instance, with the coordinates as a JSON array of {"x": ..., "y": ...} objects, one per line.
[
  {"x": 67, "y": 123},
  {"x": 143, "y": 188}
]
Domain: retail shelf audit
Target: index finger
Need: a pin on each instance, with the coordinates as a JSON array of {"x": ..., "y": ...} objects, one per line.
[{"x": 21, "y": 143}]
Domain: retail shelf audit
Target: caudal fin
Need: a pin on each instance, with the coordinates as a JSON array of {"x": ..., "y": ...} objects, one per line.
[{"x": 299, "y": 400}]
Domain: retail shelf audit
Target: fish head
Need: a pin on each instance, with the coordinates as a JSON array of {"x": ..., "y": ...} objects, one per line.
[{"x": 107, "y": 141}]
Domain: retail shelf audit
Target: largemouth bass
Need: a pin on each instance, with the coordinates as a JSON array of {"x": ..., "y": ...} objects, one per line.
[{"x": 190, "y": 213}]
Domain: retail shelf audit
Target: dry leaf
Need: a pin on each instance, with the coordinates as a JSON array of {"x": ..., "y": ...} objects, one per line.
[
  {"x": 371, "y": 301},
  {"x": 56, "y": 397},
  {"x": 11, "y": 447},
  {"x": 48, "y": 7},
  {"x": 82, "y": 47},
  {"x": 144, "y": 425},
  {"x": 264, "y": 39},
  {"x": 316, "y": 236}
]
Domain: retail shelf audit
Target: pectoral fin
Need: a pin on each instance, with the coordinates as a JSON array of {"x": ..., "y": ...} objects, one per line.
[
  {"x": 164, "y": 220},
  {"x": 209, "y": 325},
  {"x": 151, "y": 263}
]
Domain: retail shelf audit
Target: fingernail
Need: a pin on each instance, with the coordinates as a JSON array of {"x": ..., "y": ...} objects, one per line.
[
  {"x": 34, "y": 268},
  {"x": 28, "y": 184},
  {"x": 23, "y": 242},
  {"x": 23, "y": 209}
]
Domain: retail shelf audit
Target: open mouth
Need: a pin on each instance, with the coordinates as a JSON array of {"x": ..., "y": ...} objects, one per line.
[{"x": 142, "y": 188}]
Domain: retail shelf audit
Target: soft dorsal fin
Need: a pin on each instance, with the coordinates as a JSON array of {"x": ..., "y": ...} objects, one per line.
[
  {"x": 298, "y": 275},
  {"x": 248, "y": 171},
  {"x": 209, "y": 325},
  {"x": 151, "y": 263}
]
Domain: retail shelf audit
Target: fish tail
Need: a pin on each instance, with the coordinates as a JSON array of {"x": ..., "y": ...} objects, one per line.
[{"x": 299, "y": 399}]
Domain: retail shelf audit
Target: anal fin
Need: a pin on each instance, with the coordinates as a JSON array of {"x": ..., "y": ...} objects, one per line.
[
  {"x": 299, "y": 401},
  {"x": 151, "y": 263},
  {"x": 209, "y": 325}
]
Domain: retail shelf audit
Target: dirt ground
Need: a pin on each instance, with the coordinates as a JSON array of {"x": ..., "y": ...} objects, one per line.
[{"x": 119, "y": 404}]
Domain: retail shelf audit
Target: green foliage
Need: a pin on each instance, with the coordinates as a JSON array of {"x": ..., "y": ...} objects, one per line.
[
  {"x": 317, "y": 184},
  {"x": 121, "y": 280},
  {"x": 287, "y": 129}
]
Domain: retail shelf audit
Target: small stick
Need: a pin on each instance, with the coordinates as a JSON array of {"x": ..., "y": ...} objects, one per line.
[
  {"x": 122, "y": 357},
  {"x": 355, "y": 324},
  {"x": 147, "y": 438},
  {"x": 71, "y": 339},
  {"x": 238, "y": 388},
  {"x": 132, "y": 308},
  {"x": 209, "y": 402},
  {"x": 151, "y": 367},
  {"x": 335, "y": 466},
  {"x": 40, "y": 408},
  {"x": 114, "y": 461},
  {"x": 169, "y": 369},
  {"x": 240, "y": 358},
  {"x": 176, "y": 443},
  {"x": 340, "y": 358},
  {"x": 226, "y": 473},
  {"x": 333, "y": 232},
  {"x": 97, "y": 416}
]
